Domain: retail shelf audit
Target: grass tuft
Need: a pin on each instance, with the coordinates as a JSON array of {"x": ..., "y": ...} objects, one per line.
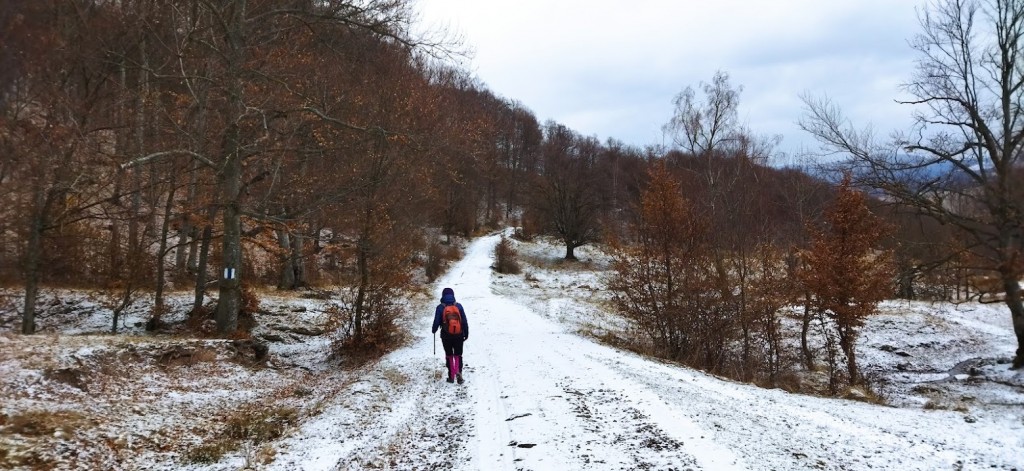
[
  {"x": 247, "y": 426},
  {"x": 44, "y": 422}
]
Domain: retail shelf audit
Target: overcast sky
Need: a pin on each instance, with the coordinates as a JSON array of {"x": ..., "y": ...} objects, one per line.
[{"x": 611, "y": 68}]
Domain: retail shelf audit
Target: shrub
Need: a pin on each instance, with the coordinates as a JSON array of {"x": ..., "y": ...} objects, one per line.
[
  {"x": 506, "y": 259},
  {"x": 261, "y": 425},
  {"x": 250, "y": 300},
  {"x": 438, "y": 258},
  {"x": 208, "y": 453},
  {"x": 436, "y": 261},
  {"x": 527, "y": 229},
  {"x": 379, "y": 331},
  {"x": 248, "y": 425}
]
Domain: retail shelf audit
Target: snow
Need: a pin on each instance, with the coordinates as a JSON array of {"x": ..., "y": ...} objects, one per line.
[{"x": 543, "y": 394}]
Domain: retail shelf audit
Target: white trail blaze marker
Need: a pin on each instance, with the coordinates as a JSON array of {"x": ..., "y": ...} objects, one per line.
[{"x": 229, "y": 273}]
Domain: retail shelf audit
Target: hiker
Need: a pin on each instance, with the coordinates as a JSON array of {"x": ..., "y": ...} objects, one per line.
[{"x": 450, "y": 317}]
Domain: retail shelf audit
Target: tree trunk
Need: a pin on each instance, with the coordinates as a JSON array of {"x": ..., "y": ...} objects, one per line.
[
  {"x": 33, "y": 253},
  {"x": 126, "y": 301},
  {"x": 287, "y": 274},
  {"x": 135, "y": 208},
  {"x": 204, "y": 253},
  {"x": 364, "y": 283},
  {"x": 805, "y": 331},
  {"x": 1013, "y": 301},
  {"x": 115, "y": 236},
  {"x": 830, "y": 355},
  {"x": 570, "y": 251},
  {"x": 905, "y": 284},
  {"x": 745, "y": 316},
  {"x": 192, "y": 262},
  {"x": 139, "y": 146},
  {"x": 121, "y": 145},
  {"x": 298, "y": 244},
  {"x": 161, "y": 269},
  {"x": 230, "y": 301},
  {"x": 847, "y": 342},
  {"x": 181, "y": 248},
  {"x": 189, "y": 231}
]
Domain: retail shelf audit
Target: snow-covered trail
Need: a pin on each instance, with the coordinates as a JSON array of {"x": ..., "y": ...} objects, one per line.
[
  {"x": 532, "y": 383},
  {"x": 540, "y": 398}
]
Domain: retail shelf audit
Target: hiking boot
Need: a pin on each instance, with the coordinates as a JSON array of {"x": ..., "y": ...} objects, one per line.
[
  {"x": 450, "y": 380},
  {"x": 461, "y": 380}
]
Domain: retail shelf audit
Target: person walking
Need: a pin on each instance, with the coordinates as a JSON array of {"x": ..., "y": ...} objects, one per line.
[{"x": 450, "y": 318}]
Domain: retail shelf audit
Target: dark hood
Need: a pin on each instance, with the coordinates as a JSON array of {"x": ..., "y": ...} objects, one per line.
[{"x": 448, "y": 296}]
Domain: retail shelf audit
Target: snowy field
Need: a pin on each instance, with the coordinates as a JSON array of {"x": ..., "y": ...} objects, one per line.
[{"x": 541, "y": 394}]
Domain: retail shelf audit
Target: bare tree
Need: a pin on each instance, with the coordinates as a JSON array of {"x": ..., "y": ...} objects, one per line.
[
  {"x": 567, "y": 195},
  {"x": 701, "y": 128},
  {"x": 520, "y": 145},
  {"x": 960, "y": 164},
  {"x": 52, "y": 122},
  {"x": 231, "y": 44}
]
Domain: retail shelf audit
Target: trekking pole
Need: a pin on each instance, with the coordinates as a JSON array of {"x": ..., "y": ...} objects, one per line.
[{"x": 438, "y": 376}]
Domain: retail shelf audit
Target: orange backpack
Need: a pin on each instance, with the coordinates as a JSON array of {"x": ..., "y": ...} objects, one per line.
[{"x": 451, "y": 319}]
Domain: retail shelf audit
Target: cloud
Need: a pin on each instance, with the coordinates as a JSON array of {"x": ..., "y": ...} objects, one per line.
[{"x": 611, "y": 68}]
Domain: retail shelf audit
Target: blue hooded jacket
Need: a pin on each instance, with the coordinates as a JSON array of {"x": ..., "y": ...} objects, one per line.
[{"x": 447, "y": 299}]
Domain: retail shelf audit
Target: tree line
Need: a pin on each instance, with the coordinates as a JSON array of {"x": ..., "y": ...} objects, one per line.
[{"x": 224, "y": 145}]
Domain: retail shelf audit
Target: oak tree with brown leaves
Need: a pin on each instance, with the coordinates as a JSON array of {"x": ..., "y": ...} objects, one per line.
[
  {"x": 846, "y": 273},
  {"x": 660, "y": 280}
]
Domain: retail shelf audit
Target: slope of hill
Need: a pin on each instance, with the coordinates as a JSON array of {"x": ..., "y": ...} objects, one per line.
[{"x": 540, "y": 394}]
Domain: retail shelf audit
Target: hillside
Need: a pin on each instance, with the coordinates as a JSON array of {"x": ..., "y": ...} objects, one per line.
[{"x": 541, "y": 394}]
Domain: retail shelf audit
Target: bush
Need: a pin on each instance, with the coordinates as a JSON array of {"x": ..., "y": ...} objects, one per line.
[
  {"x": 435, "y": 261},
  {"x": 438, "y": 258},
  {"x": 249, "y": 425},
  {"x": 261, "y": 425},
  {"x": 379, "y": 331},
  {"x": 527, "y": 229},
  {"x": 250, "y": 300},
  {"x": 209, "y": 453},
  {"x": 506, "y": 259}
]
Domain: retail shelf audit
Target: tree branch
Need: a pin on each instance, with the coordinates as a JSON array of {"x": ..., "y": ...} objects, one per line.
[{"x": 160, "y": 155}]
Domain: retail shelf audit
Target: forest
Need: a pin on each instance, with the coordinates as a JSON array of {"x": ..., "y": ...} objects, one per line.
[{"x": 216, "y": 146}]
